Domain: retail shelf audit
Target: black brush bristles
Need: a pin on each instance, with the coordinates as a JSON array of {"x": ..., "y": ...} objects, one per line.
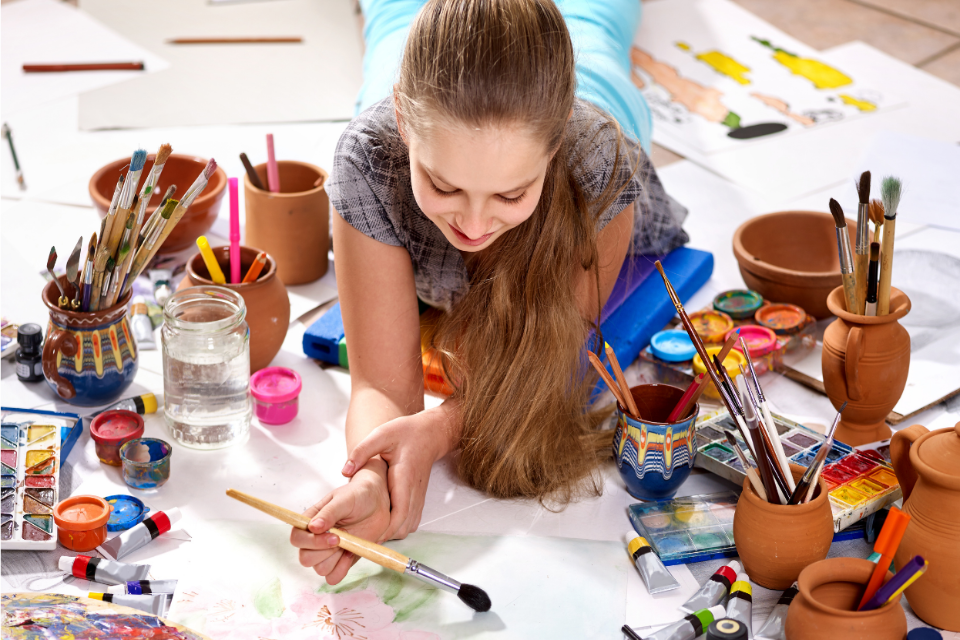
[
  {"x": 863, "y": 188},
  {"x": 837, "y": 211},
  {"x": 474, "y": 597}
]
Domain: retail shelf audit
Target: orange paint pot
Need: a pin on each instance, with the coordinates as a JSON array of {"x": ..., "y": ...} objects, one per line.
[{"x": 82, "y": 522}]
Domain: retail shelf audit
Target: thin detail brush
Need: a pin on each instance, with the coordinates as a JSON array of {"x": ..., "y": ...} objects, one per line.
[
  {"x": 890, "y": 191},
  {"x": 764, "y": 458},
  {"x": 767, "y": 421},
  {"x": 863, "y": 239},
  {"x": 747, "y": 467},
  {"x": 872, "y": 274},
  {"x": 846, "y": 258},
  {"x": 51, "y": 263},
  {"x": 622, "y": 381},
  {"x": 88, "y": 273},
  {"x": 811, "y": 472}
]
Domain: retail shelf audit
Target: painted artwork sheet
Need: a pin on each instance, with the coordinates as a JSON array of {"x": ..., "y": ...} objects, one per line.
[
  {"x": 253, "y": 588},
  {"x": 716, "y": 77}
]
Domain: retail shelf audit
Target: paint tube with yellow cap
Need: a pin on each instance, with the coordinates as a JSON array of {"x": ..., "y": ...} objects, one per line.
[
  {"x": 155, "y": 603},
  {"x": 655, "y": 575},
  {"x": 775, "y": 626},
  {"x": 145, "y": 404},
  {"x": 740, "y": 603}
]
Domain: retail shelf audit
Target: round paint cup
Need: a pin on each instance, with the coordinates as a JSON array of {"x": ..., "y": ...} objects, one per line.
[
  {"x": 146, "y": 462},
  {"x": 672, "y": 346},
  {"x": 711, "y": 325},
  {"x": 760, "y": 340},
  {"x": 731, "y": 363},
  {"x": 82, "y": 522},
  {"x": 276, "y": 393},
  {"x": 111, "y": 429},
  {"x": 127, "y": 512},
  {"x": 738, "y": 303}
]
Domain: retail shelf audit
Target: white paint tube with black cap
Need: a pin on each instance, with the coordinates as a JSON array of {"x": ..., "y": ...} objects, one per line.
[
  {"x": 141, "y": 587},
  {"x": 740, "y": 604},
  {"x": 775, "y": 626},
  {"x": 155, "y": 603},
  {"x": 655, "y": 575},
  {"x": 692, "y": 626},
  {"x": 713, "y": 590},
  {"x": 136, "y": 537},
  {"x": 101, "y": 570}
]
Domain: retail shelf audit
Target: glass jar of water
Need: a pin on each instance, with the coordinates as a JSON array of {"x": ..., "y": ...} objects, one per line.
[{"x": 206, "y": 367}]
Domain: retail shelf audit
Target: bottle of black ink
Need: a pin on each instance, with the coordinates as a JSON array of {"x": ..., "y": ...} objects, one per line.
[{"x": 29, "y": 355}]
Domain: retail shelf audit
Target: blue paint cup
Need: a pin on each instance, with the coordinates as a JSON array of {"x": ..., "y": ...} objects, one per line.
[
  {"x": 655, "y": 456},
  {"x": 146, "y": 462}
]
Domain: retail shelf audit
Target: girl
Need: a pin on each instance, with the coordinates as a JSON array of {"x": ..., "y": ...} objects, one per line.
[{"x": 487, "y": 189}]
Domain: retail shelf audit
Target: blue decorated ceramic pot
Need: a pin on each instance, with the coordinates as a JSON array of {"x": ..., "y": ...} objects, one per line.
[
  {"x": 89, "y": 358},
  {"x": 654, "y": 456}
]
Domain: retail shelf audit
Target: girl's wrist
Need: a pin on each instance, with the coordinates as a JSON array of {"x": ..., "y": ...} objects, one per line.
[{"x": 445, "y": 422}]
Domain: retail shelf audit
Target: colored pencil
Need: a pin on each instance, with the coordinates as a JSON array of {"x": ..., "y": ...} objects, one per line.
[
  {"x": 254, "y": 271},
  {"x": 83, "y": 66},
  {"x": 234, "y": 231},
  {"x": 273, "y": 172},
  {"x": 684, "y": 404},
  {"x": 886, "y": 545},
  {"x": 622, "y": 381},
  {"x": 863, "y": 240},
  {"x": 251, "y": 172},
  {"x": 896, "y": 585},
  {"x": 890, "y": 190},
  {"x": 216, "y": 274},
  {"x": 13, "y": 152},
  {"x": 238, "y": 40}
]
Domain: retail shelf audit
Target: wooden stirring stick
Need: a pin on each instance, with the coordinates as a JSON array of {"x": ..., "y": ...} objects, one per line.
[
  {"x": 613, "y": 386},
  {"x": 624, "y": 387}
]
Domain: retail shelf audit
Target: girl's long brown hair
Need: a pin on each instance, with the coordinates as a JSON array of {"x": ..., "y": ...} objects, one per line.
[{"x": 514, "y": 344}]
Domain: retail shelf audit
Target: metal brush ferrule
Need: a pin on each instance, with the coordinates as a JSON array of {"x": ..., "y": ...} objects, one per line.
[
  {"x": 843, "y": 247},
  {"x": 863, "y": 228},
  {"x": 431, "y": 576}
]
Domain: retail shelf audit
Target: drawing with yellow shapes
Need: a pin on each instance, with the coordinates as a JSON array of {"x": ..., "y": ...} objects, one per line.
[{"x": 822, "y": 75}]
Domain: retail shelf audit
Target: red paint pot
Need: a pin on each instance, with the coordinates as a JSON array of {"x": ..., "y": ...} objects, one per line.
[
  {"x": 82, "y": 522},
  {"x": 111, "y": 429},
  {"x": 760, "y": 340}
]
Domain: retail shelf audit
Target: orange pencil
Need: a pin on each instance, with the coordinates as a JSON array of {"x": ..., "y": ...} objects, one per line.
[
  {"x": 886, "y": 545},
  {"x": 254, "y": 271}
]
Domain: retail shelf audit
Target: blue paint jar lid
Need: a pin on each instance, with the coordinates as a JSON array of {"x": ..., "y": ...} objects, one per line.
[
  {"x": 672, "y": 346},
  {"x": 127, "y": 512}
]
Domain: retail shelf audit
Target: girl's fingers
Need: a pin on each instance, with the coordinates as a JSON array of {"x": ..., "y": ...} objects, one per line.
[
  {"x": 339, "y": 572},
  {"x": 380, "y": 440},
  {"x": 313, "y": 542},
  {"x": 308, "y": 558},
  {"x": 339, "y": 507}
]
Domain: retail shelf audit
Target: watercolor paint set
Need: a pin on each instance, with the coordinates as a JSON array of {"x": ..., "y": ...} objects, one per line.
[
  {"x": 71, "y": 425},
  {"x": 688, "y": 529}
]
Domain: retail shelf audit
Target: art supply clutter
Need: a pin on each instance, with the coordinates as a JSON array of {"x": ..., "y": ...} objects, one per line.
[{"x": 687, "y": 529}]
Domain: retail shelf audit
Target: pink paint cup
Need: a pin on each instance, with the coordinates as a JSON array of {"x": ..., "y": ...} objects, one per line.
[{"x": 276, "y": 392}]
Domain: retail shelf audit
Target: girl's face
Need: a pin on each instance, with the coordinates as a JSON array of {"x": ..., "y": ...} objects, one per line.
[{"x": 476, "y": 184}]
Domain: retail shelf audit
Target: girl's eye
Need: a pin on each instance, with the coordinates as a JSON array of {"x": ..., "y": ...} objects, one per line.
[
  {"x": 512, "y": 200},
  {"x": 441, "y": 192}
]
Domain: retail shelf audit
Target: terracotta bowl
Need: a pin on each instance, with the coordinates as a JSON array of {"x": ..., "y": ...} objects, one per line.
[
  {"x": 791, "y": 256},
  {"x": 830, "y": 590},
  {"x": 180, "y": 170}
]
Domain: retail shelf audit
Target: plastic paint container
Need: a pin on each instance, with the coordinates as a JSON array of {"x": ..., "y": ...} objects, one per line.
[
  {"x": 731, "y": 363},
  {"x": 146, "y": 462},
  {"x": 127, "y": 512},
  {"x": 711, "y": 325},
  {"x": 738, "y": 303},
  {"x": 82, "y": 522},
  {"x": 766, "y": 350},
  {"x": 672, "y": 346},
  {"x": 783, "y": 319},
  {"x": 276, "y": 393},
  {"x": 111, "y": 429}
]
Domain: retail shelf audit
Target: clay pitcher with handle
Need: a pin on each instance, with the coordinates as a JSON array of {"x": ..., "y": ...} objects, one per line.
[{"x": 928, "y": 468}]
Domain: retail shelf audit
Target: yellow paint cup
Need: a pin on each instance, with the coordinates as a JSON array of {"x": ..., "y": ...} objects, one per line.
[{"x": 731, "y": 363}]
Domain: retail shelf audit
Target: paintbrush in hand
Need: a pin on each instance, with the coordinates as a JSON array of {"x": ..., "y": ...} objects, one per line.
[
  {"x": 846, "y": 258},
  {"x": 890, "y": 191},
  {"x": 863, "y": 239},
  {"x": 474, "y": 597}
]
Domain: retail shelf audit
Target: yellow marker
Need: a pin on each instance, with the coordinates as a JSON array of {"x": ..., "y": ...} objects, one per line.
[{"x": 216, "y": 274}]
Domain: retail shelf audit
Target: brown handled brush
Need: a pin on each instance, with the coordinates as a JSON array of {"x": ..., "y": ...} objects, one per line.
[
  {"x": 890, "y": 190},
  {"x": 474, "y": 597},
  {"x": 847, "y": 268}
]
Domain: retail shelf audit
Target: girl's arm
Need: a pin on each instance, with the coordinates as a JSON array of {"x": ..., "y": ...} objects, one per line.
[{"x": 613, "y": 242}]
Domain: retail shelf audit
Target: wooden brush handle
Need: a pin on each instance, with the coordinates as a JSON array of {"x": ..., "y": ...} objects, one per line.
[
  {"x": 886, "y": 267},
  {"x": 622, "y": 380},
  {"x": 364, "y": 548},
  {"x": 613, "y": 386},
  {"x": 861, "y": 266},
  {"x": 851, "y": 292}
]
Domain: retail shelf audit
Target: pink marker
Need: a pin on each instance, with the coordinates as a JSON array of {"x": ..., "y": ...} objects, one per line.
[
  {"x": 273, "y": 173},
  {"x": 234, "y": 231}
]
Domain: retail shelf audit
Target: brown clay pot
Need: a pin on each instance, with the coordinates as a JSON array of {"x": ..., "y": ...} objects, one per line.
[
  {"x": 775, "y": 542},
  {"x": 865, "y": 364},
  {"x": 180, "y": 170},
  {"x": 929, "y": 474},
  {"x": 268, "y": 306},
  {"x": 791, "y": 256},
  {"x": 292, "y": 225},
  {"x": 830, "y": 591}
]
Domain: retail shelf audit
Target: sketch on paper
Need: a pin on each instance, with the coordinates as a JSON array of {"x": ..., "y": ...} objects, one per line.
[{"x": 715, "y": 77}]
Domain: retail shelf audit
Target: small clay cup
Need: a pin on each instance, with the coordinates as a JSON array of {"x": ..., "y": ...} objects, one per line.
[
  {"x": 791, "y": 256},
  {"x": 268, "y": 305},
  {"x": 776, "y": 542},
  {"x": 180, "y": 170},
  {"x": 830, "y": 591},
  {"x": 294, "y": 224},
  {"x": 865, "y": 364}
]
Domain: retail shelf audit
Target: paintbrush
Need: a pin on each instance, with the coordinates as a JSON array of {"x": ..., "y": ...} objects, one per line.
[
  {"x": 622, "y": 381},
  {"x": 474, "y": 597},
  {"x": 863, "y": 239},
  {"x": 697, "y": 387},
  {"x": 750, "y": 404},
  {"x": 769, "y": 469},
  {"x": 64, "y": 301},
  {"x": 876, "y": 217},
  {"x": 747, "y": 468},
  {"x": 808, "y": 476},
  {"x": 124, "y": 206},
  {"x": 890, "y": 191},
  {"x": 73, "y": 272},
  {"x": 157, "y": 217},
  {"x": 846, "y": 258},
  {"x": 611, "y": 384},
  {"x": 870, "y": 308},
  {"x": 251, "y": 172},
  {"x": 149, "y": 189},
  {"x": 767, "y": 422},
  {"x": 88, "y": 273}
]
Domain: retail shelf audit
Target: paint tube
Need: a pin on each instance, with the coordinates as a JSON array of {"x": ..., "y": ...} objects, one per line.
[
  {"x": 136, "y": 537},
  {"x": 775, "y": 626},
  {"x": 155, "y": 603},
  {"x": 161, "y": 285},
  {"x": 690, "y": 627},
  {"x": 103, "y": 571},
  {"x": 714, "y": 590},
  {"x": 140, "y": 587},
  {"x": 655, "y": 575},
  {"x": 140, "y": 325},
  {"x": 740, "y": 604},
  {"x": 727, "y": 629}
]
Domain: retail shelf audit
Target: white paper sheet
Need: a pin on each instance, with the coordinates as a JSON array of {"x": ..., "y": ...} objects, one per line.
[{"x": 46, "y": 32}]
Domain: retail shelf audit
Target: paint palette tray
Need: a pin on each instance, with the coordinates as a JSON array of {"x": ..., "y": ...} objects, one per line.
[
  {"x": 688, "y": 529},
  {"x": 30, "y": 480}
]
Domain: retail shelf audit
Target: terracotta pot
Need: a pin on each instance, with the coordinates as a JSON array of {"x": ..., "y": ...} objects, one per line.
[
  {"x": 929, "y": 474},
  {"x": 776, "y": 542},
  {"x": 180, "y": 170},
  {"x": 865, "y": 364},
  {"x": 791, "y": 256},
  {"x": 294, "y": 224},
  {"x": 830, "y": 590},
  {"x": 268, "y": 306}
]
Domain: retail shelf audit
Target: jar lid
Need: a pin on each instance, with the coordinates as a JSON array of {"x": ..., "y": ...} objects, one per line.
[
  {"x": 672, "y": 346},
  {"x": 112, "y": 427},
  {"x": 29, "y": 336},
  {"x": 81, "y": 513},
  {"x": 781, "y": 318},
  {"x": 127, "y": 512},
  {"x": 275, "y": 384},
  {"x": 738, "y": 303},
  {"x": 760, "y": 340},
  {"x": 731, "y": 363},
  {"x": 941, "y": 452},
  {"x": 711, "y": 325}
]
